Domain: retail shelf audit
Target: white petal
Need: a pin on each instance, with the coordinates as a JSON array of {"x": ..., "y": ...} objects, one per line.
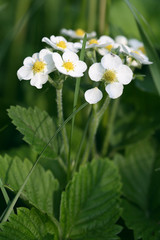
[
  {"x": 48, "y": 41},
  {"x": 110, "y": 61},
  {"x": 43, "y": 53},
  {"x": 57, "y": 59},
  {"x": 106, "y": 39},
  {"x": 35, "y": 56},
  {"x": 75, "y": 74},
  {"x": 24, "y": 73},
  {"x": 78, "y": 45},
  {"x": 114, "y": 90},
  {"x": 71, "y": 47},
  {"x": 93, "y": 95},
  {"x": 57, "y": 39},
  {"x": 69, "y": 56},
  {"x": 135, "y": 43},
  {"x": 62, "y": 69},
  {"x": 46, "y": 56},
  {"x": 91, "y": 35},
  {"x": 28, "y": 62},
  {"x": 124, "y": 74},
  {"x": 38, "y": 80},
  {"x": 121, "y": 40},
  {"x": 96, "y": 72},
  {"x": 80, "y": 66},
  {"x": 102, "y": 51}
]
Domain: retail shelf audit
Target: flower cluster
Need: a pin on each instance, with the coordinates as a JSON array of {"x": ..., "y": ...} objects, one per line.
[{"x": 117, "y": 59}]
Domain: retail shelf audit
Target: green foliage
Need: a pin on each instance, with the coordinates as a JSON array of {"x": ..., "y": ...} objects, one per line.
[
  {"x": 141, "y": 189},
  {"x": 151, "y": 52},
  {"x": 37, "y": 128},
  {"x": 40, "y": 187},
  {"x": 28, "y": 225},
  {"x": 90, "y": 206}
]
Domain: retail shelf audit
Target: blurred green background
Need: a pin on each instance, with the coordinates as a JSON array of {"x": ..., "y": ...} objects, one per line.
[{"x": 24, "y": 23}]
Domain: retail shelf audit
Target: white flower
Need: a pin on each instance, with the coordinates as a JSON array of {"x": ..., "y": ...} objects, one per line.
[
  {"x": 59, "y": 43},
  {"x": 137, "y": 55},
  {"x": 37, "y": 68},
  {"x": 113, "y": 73},
  {"x": 93, "y": 95},
  {"x": 136, "y": 45},
  {"x": 94, "y": 43},
  {"x": 79, "y": 33},
  {"x": 109, "y": 42},
  {"x": 69, "y": 64}
]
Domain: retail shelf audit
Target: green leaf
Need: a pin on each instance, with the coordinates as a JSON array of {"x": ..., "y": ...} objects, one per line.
[
  {"x": 151, "y": 52},
  {"x": 90, "y": 204},
  {"x": 40, "y": 187},
  {"x": 141, "y": 190},
  {"x": 27, "y": 224},
  {"x": 37, "y": 128}
]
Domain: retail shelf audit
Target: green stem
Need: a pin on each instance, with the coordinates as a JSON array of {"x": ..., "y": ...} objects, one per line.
[
  {"x": 110, "y": 127},
  {"x": 78, "y": 160},
  {"x": 60, "y": 118},
  {"x": 76, "y": 94},
  {"x": 93, "y": 128}
]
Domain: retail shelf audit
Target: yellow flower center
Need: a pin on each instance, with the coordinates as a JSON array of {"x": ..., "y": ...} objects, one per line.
[
  {"x": 109, "y": 47},
  {"x": 142, "y": 49},
  {"x": 136, "y": 52},
  {"x": 61, "y": 44},
  {"x": 109, "y": 76},
  {"x": 79, "y": 32},
  {"x": 93, "y": 41},
  {"x": 38, "y": 66},
  {"x": 68, "y": 66}
]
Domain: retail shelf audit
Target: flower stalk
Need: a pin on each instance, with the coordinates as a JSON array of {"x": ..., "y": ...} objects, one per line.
[
  {"x": 96, "y": 118},
  {"x": 60, "y": 117}
]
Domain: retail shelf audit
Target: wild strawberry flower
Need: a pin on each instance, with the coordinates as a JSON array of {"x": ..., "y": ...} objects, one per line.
[
  {"x": 59, "y": 43},
  {"x": 37, "y": 68},
  {"x": 135, "y": 55},
  {"x": 93, "y": 43},
  {"x": 69, "y": 64},
  {"x": 136, "y": 45},
  {"x": 111, "y": 44},
  {"x": 113, "y": 73},
  {"x": 78, "y": 33}
]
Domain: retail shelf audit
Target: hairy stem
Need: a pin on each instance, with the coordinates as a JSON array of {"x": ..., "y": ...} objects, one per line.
[
  {"x": 97, "y": 115},
  {"x": 110, "y": 127},
  {"x": 60, "y": 119}
]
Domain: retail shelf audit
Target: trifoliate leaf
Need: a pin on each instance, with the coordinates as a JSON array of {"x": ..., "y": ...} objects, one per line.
[
  {"x": 90, "y": 204},
  {"x": 40, "y": 187},
  {"x": 27, "y": 224},
  {"x": 37, "y": 128},
  {"x": 141, "y": 190}
]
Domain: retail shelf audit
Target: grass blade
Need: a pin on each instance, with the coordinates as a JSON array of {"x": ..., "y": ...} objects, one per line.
[{"x": 151, "y": 52}]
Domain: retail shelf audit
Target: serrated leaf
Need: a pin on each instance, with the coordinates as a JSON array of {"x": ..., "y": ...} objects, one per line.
[
  {"x": 40, "y": 187},
  {"x": 27, "y": 224},
  {"x": 141, "y": 190},
  {"x": 90, "y": 204},
  {"x": 37, "y": 128}
]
